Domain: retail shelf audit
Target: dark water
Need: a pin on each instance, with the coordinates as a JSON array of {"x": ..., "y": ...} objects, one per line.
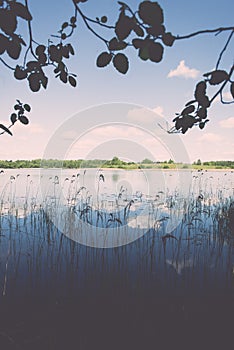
[{"x": 152, "y": 293}]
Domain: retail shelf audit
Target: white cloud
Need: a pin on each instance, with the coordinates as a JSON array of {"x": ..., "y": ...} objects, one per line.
[
  {"x": 183, "y": 71},
  {"x": 141, "y": 115},
  {"x": 210, "y": 137},
  {"x": 227, "y": 96},
  {"x": 227, "y": 123},
  {"x": 159, "y": 111}
]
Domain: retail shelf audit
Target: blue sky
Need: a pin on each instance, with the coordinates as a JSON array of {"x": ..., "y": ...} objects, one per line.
[{"x": 163, "y": 87}]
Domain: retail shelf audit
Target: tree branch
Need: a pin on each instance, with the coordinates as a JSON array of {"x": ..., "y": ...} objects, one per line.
[
  {"x": 206, "y": 31},
  {"x": 224, "y": 49}
]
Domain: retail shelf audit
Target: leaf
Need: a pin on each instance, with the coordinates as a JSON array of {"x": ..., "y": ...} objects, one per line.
[
  {"x": 20, "y": 10},
  {"x": 44, "y": 80},
  {"x": 138, "y": 43},
  {"x": 232, "y": 89},
  {"x": 20, "y": 73},
  {"x": 124, "y": 26},
  {"x": 115, "y": 45},
  {"x": 3, "y": 127},
  {"x": 55, "y": 53},
  {"x": 23, "y": 119},
  {"x": 13, "y": 118},
  {"x": 202, "y": 125},
  {"x": 40, "y": 50},
  {"x": 72, "y": 81},
  {"x": 72, "y": 52},
  {"x": 217, "y": 76},
  {"x": 103, "y": 19},
  {"x": 120, "y": 62},
  {"x": 188, "y": 110},
  {"x": 64, "y": 25},
  {"x": 151, "y": 13},
  {"x": 34, "y": 82},
  {"x": 156, "y": 30},
  {"x": 103, "y": 59},
  {"x": 204, "y": 101},
  {"x": 202, "y": 113},
  {"x": 168, "y": 39},
  {"x": 13, "y": 49},
  {"x": 138, "y": 30},
  {"x": 63, "y": 76},
  {"x": 144, "y": 53},
  {"x": 42, "y": 58},
  {"x": 27, "y": 107},
  {"x": 8, "y": 21},
  {"x": 3, "y": 43},
  {"x": 155, "y": 52},
  {"x": 200, "y": 92}
]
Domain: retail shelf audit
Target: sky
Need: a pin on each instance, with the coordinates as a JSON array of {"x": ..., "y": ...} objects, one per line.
[{"x": 150, "y": 94}]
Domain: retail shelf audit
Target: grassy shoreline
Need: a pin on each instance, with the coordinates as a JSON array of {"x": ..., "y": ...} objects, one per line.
[{"x": 115, "y": 163}]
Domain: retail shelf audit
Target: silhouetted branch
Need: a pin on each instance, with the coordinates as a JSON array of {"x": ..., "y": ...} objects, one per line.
[
  {"x": 224, "y": 49},
  {"x": 205, "y": 31},
  {"x": 143, "y": 30}
]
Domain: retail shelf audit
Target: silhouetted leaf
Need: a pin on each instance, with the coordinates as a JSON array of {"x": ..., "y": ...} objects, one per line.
[
  {"x": 151, "y": 12},
  {"x": 232, "y": 89},
  {"x": 42, "y": 58},
  {"x": 3, "y": 43},
  {"x": 27, "y": 107},
  {"x": 40, "y": 50},
  {"x": 72, "y": 52},
  {"x": 138, "y": 43},
  {"x": 3, "y": 127},
  {"x": 103, "y": 59},
  {"x": 33, "y": 65},
  {"x": 34, "y": 82},
  {"x": 204, "y": 101},
  {"x": 20, "y": 73},
  {"x": 120, "y": 62},
  {"x": 138, "y": 30},
  {"x": 144, "y": 53},
  {"x": 217, "y": 76},
  {"x": 77, "y": 1},
  {"x": 200, "y": 94},
  {"x": 72, "y": 81},
  {"x": 13, "y": 118},
  {"x": 44, "y": 80},
  {"x": 168, "y": 39},
  {"x": 55, "y": 53},
  {"x": 65, "y": 51},
  {"x": 155, "y": 52},
  {"x": 13, "y": 49},
  {"x": 156, "y": 29},
  {"x": 63, "y": 76},
  {"x": 202, "y": 113},
  {"x": 65, "y": 25},
  {"x": 188, "y": 110},
  {"x": 103, "y": 19},
  {"x": 23, "y": 119},
  {"x": 202, "y": 125},
  {"x": 21, "y": 10},
  {"x": 8, "y": 22},
  {"x": 73, "y": 19},
  {"x": 115, "y": 45},
  {"x": 124, "y": 26}
]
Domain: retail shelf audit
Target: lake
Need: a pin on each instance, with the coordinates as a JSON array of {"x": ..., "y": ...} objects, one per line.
[{"x": 125, "y": 255}]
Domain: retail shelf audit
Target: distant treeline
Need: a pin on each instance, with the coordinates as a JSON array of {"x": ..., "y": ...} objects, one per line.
[{"x": 115, "y": 162}]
